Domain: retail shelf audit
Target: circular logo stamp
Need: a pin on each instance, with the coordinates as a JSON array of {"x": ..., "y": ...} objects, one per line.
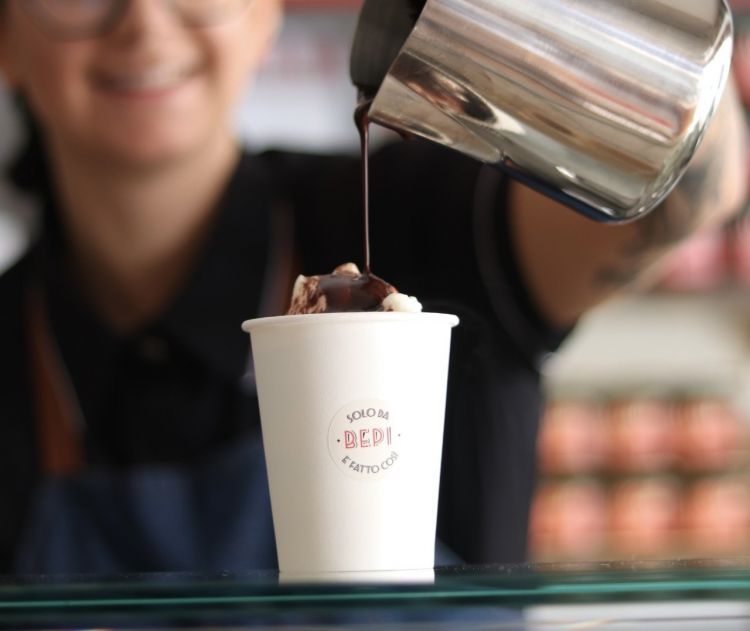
[{"x": 365, "y": 439}]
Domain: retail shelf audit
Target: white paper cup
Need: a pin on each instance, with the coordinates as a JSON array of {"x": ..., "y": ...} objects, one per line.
[{"x": 352, "y": 408}]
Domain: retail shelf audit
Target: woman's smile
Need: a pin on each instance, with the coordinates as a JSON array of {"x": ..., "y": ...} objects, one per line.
[{"x": 148, "y": 82}]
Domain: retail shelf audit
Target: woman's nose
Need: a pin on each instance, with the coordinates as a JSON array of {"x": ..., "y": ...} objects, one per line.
[{"x": 143, "y": 18}]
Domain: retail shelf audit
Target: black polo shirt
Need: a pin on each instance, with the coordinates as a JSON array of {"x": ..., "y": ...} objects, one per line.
[{"x": 179, "y": 390}]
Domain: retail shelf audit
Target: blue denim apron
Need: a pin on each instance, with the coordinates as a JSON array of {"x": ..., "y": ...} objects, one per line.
[{"x": 213, "y": 515}]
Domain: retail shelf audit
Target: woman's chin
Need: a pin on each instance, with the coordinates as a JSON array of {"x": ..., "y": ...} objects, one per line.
[{"x": 145, "y": 151}]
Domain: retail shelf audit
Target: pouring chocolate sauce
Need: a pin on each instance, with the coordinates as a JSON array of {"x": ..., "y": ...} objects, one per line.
[
  {"x": 362, "y": 120},
  {"x": 348, "y": 289}
]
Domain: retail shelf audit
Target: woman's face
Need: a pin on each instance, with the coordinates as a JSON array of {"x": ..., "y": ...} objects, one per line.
[{"x": 151, "y": 89}]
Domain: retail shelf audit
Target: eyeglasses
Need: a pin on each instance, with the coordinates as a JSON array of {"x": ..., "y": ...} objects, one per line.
[{"x": 78, "y": 19}]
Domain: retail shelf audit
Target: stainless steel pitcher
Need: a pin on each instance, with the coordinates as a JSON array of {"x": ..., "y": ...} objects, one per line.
[{"x": 597, "y": 103}]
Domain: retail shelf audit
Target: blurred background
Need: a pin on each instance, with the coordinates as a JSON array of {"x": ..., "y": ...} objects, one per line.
[
  {"x": 644, "y": 449},
  {"x": 643, "y": 452}
]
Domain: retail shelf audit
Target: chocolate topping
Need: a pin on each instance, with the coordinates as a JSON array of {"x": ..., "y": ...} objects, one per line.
[
  {"x": 344, "y": 290},
  {"x": 347, "y": 289}
]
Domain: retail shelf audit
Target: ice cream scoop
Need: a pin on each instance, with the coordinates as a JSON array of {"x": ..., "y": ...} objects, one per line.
[{"x": 347, "y": 289}]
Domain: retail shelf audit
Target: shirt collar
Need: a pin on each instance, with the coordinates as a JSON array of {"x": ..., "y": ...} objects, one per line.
[
  {"x": 228, "y": 281},
  {"x": 204, "y": 319}
]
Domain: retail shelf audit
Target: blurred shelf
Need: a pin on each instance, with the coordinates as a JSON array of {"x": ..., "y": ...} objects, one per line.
[
  {"x": 660, "y": 340},
  {"x": 645, "y": 451}
]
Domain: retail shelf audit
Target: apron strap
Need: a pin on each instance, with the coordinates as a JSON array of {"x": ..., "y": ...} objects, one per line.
[{"x": 58, "y": 419}]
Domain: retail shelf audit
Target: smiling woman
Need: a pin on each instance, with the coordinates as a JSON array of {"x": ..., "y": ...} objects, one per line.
[
  {"x": 129, "y": 102},
  {"x": 135, "y": 121}
]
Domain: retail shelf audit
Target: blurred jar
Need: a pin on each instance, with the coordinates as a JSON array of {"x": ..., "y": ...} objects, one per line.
[
  {"x": 711, "y": 436},
  {"x": 573, "y": 438},
  {"x": 642, "y": 435},
  {"x": 741, "y": 53},
  {"x": 716, "y": 516},
  {"x": 568, "y": 520},
  {"x": 700, "y": 264},
  {"x": 741, "y": 70},
  {"x": 740, "y": 236},
  {"x": 644, "y": 517}
]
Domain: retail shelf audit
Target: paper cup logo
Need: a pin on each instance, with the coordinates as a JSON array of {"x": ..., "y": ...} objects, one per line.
[{"x": 365, "y": 439}]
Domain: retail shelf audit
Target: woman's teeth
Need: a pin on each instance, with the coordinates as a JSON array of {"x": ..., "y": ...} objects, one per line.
[{"x": 149, "y": 80}]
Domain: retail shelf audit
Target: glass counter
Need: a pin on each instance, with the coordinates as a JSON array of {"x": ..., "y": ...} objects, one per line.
[{"x": 702, "y": 594}]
